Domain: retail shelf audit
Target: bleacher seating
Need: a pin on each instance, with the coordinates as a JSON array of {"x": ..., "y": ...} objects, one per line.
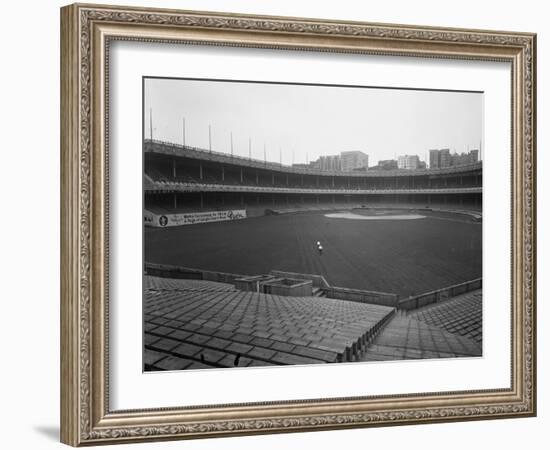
[
  {"x": 460, "y": 315},
  {"x": 193, "y": 324},
  {"x": 404, "y": 337}
]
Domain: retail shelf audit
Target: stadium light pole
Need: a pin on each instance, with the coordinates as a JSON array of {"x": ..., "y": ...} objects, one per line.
[
  {"x": 231, "y": 139},
  {"x": 280, "y": 156},
  {"x": 479, "y": 150},
  {"x": 151, "y": 123},
  {"x": 183, "y": 132},
  {"x": 210, "y": 138},
  {"x": 249, "y": 148},
  {"x": 265, "y": 158}
]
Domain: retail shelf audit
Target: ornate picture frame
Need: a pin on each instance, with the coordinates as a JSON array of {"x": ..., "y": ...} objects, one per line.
[{"x": 87, "y": 31}]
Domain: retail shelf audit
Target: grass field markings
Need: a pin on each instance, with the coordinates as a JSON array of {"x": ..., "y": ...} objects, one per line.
[
  {"x": 351, "y": 268},
  {"x": 280, "y": 226},
  {"x": 321, "y": 261},
  {"x": 303, "y": 254},
  {"x": 307, "y": 250}
]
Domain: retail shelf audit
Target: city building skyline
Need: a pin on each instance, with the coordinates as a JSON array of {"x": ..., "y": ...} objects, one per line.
[
  {"x": 345, "y": 161},
  {"x": 353, "y": 160},
  {"x": 386, "y": 164},
  {"x": 328, "y": 162},
  {"x": 444, "y": 158},
  {"x": 409, "y": 162}
]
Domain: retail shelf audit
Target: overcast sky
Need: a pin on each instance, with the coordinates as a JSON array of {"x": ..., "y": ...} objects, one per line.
[{"x": 310, "y": 121}]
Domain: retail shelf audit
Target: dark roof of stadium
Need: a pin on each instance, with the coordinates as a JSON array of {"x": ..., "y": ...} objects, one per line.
[{"x": 168, "y": 148}]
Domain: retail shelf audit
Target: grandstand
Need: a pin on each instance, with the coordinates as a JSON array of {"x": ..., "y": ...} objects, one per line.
[{"x": 186, "y": 179}]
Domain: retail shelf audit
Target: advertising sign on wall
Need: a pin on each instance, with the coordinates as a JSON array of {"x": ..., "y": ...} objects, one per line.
[{"x": 173, "y": 220}]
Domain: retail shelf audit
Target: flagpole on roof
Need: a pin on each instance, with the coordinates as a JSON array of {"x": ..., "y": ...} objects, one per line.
[
  {"x": 151, "y": 123},
  {"x": 183, "y": 131}
]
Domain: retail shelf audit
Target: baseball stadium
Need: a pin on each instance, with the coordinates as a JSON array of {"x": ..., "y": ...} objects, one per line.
[{"x": 255, "y": 263}]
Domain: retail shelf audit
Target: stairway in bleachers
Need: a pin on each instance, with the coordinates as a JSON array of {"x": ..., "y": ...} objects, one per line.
[
  {"x": 406, "y": 338},
  {"x": 318, "y": 292},
  {"x": 452, "y": 328}
]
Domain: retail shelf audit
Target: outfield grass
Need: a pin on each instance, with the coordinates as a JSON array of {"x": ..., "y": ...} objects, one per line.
[{"x": 405, "y": 257}]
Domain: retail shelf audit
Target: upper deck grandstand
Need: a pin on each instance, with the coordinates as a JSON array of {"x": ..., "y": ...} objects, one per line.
[{"x": 183, "y": 178}]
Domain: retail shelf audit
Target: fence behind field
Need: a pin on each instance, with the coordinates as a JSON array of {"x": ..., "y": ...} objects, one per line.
[
  {"x": 439, "y": 295},
  {"x": 362, "y": 296},
  {"x": 169, "y": 271}
]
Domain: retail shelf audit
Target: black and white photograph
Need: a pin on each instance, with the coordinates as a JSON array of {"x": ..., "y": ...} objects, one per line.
[{"x": 293, "y": 224}]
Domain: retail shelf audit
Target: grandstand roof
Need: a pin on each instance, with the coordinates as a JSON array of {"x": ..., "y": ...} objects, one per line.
[{"x": 169, "y": 148}]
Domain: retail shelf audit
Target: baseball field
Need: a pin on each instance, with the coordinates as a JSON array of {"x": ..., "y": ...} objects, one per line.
[{"x": 393, "y": 252}]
